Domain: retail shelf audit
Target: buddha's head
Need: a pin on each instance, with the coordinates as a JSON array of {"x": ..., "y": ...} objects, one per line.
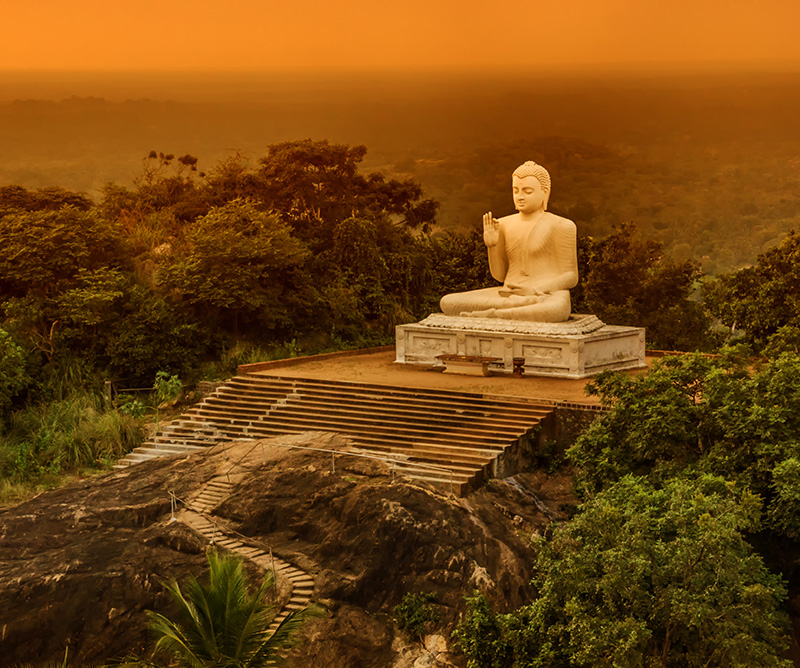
[{"x": 526, "y": 173}]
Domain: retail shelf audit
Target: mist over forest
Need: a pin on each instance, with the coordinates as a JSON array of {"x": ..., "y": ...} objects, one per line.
[{"x": 707, "y": 164}]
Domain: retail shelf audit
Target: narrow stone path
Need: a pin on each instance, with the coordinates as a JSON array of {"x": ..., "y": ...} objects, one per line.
[{"x": 196, "y": 515}]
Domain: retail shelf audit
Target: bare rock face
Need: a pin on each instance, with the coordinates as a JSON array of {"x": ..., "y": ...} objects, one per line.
[{"x": 80, "y": 565}]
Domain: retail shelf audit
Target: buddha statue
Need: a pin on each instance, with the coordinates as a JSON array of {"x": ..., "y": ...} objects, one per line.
[{"x": 534, "y": 254}]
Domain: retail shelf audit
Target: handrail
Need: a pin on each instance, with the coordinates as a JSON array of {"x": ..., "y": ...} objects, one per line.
[
  {"x": 343, "y": 453},
  {"x": 388, "y": 460},
  {"x": 174, "y": 498}
]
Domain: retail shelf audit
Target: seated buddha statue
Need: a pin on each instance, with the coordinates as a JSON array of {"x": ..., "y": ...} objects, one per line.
[{"x": 532, "y": 252}]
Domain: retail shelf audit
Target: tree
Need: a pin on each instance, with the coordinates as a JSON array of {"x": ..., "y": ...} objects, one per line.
[
  {"x": 699, "y": 413},
  {"x": 238, "y": 261},
  {"x": 631, "y": 281},
  {"x": 762, "y": 301},
  {"x": 44, "y": 251},
  {"x": 482, "y": 635},
  {"x": 45, "y": 199},
  {"x": 317, "y": 184},
  {"x": 648, "y": 576},
  {"x": 149, "y": 334},
  {"x": 223, "y": 624},
  {"x": 655, "y": 421},
  {"x": 460, "y": 263},
  {"x": 165, "y": 185},
  {"x": 13, "y": 375}
]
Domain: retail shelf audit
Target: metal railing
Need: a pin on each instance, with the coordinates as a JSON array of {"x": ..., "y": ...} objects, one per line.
[
  {"x": 264, "y": 547},
  {"x": 394, "y": 463}
]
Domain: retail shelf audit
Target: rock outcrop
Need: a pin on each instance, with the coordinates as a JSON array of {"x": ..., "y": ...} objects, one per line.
[{"x": 80, "y": 565}]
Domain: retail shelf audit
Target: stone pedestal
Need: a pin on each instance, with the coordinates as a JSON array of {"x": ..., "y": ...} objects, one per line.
[{"x": 583, "y": 346}]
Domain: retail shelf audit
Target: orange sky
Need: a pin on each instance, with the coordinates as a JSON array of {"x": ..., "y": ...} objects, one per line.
[{"x": 381, "y": 34}]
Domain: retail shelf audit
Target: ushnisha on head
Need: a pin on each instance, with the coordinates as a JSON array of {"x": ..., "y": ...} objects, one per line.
[{"x": 531, "y": 168}]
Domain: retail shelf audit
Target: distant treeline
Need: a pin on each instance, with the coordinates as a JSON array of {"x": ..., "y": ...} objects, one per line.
[{"x": 705, "y": 165}]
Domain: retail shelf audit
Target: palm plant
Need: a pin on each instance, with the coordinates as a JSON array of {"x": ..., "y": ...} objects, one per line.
[{"x": 223, "y": 624}]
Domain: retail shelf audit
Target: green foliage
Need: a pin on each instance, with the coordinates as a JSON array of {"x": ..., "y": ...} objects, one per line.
[
  {"x": 654, "y": 420},
  {"x": 318, "y": 184},
  {"x": 707, "y": 414},
  {"x": 664, "y": 575},
  {"x": 13, "y": 373},
  {"x": 166, "y": 387},
  {"x": 92, "y": 298},
  {"x": 784, "y": 508},
  {"x": 223, "y": 623},
  {"x": 17, "y": 198},
  {"x": 43, "y": 251},
  {"x": 237, "y": 261},
  {"x": 129, "y": 405},
  {"x": 644, "y": 576},
  {"x": 68, "y": 434},
  {"x": 763, "y": 300},
  {"x": 110, "y": 322},
  {"x": 630, "y": 281},
  {"x": 415, "y": 614},
  {"x": 786, "y": 339},
  {"x": 483, "y": 636},
  {"x": 460, "y": 263}
]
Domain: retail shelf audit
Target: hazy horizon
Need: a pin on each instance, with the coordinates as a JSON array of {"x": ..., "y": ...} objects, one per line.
[{"x": 210, "y": 86}]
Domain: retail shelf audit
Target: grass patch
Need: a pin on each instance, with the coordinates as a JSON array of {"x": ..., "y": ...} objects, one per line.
[{"x": 44, "y": 441}]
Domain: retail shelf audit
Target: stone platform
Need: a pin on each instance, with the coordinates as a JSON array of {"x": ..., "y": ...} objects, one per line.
[{"x": 580, "y": 347}]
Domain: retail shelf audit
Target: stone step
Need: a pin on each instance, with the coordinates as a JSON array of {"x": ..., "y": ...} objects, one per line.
[
  {"x": 451, "y": 487},
  {"x": 431, "y": 465},
  {"x": 406, "y": 446},
  {"x": 213, "y": 493},
  {"x": 302, "y": 582},
  {"x": 151, "y": 451},
  {"x": 355, "y": 425},
  {"x": 429, "y": 395},
  {"x": 491, "y": 415},
  {"x": 459, "y": 473},
  {"x": 177, "y": 439},
  {"x": 244, "y": 399},
  {"x": 437, "y": 436},
  {"x": 398, "y": 444},
  {"x": 300, "y": 407}
]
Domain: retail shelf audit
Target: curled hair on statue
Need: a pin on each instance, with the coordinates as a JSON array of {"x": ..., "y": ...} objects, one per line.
[{"x": 531, "y": 168}]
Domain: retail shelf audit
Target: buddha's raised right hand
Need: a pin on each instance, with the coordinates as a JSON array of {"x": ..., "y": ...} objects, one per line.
[{"x": 491, "y": 230}]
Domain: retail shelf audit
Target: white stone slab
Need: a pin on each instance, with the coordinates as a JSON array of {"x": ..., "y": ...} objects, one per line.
[{"x": 570, "y": 354}]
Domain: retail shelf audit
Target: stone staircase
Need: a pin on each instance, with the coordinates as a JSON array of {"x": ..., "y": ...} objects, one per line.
[
  {"x": 196, "y": 515},
  {"x": 450, "y": 439}
]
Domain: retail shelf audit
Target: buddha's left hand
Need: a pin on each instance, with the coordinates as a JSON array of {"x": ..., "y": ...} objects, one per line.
[{"x": 522, "y": 290}]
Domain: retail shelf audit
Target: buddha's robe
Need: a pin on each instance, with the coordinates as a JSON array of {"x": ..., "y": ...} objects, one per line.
[{"x": 537, "y": 263}]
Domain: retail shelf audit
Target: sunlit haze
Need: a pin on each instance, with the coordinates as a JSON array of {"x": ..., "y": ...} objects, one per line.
[{"x": 253, "y": 35}]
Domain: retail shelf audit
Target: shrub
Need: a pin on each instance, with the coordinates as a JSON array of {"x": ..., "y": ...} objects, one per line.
[{"x": 414, "y": 614}]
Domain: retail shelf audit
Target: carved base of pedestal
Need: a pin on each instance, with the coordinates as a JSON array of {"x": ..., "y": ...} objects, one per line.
[{"x": 572, "y": 352}]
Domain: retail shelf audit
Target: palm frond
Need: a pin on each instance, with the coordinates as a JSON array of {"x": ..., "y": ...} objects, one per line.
[{"x": 224, "y": 624}]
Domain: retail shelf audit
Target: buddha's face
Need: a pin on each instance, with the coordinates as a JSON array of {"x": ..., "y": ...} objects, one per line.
[{"x": 529, "y": 197}]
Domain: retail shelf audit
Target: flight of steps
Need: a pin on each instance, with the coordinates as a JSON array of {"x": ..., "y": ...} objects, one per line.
[
  {"x": 450, "y": 439},
  {"x": 195, "y": 516}
]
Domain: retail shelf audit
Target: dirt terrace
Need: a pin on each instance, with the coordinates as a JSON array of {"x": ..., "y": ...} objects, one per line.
[{"x": 377, "y": 365}]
